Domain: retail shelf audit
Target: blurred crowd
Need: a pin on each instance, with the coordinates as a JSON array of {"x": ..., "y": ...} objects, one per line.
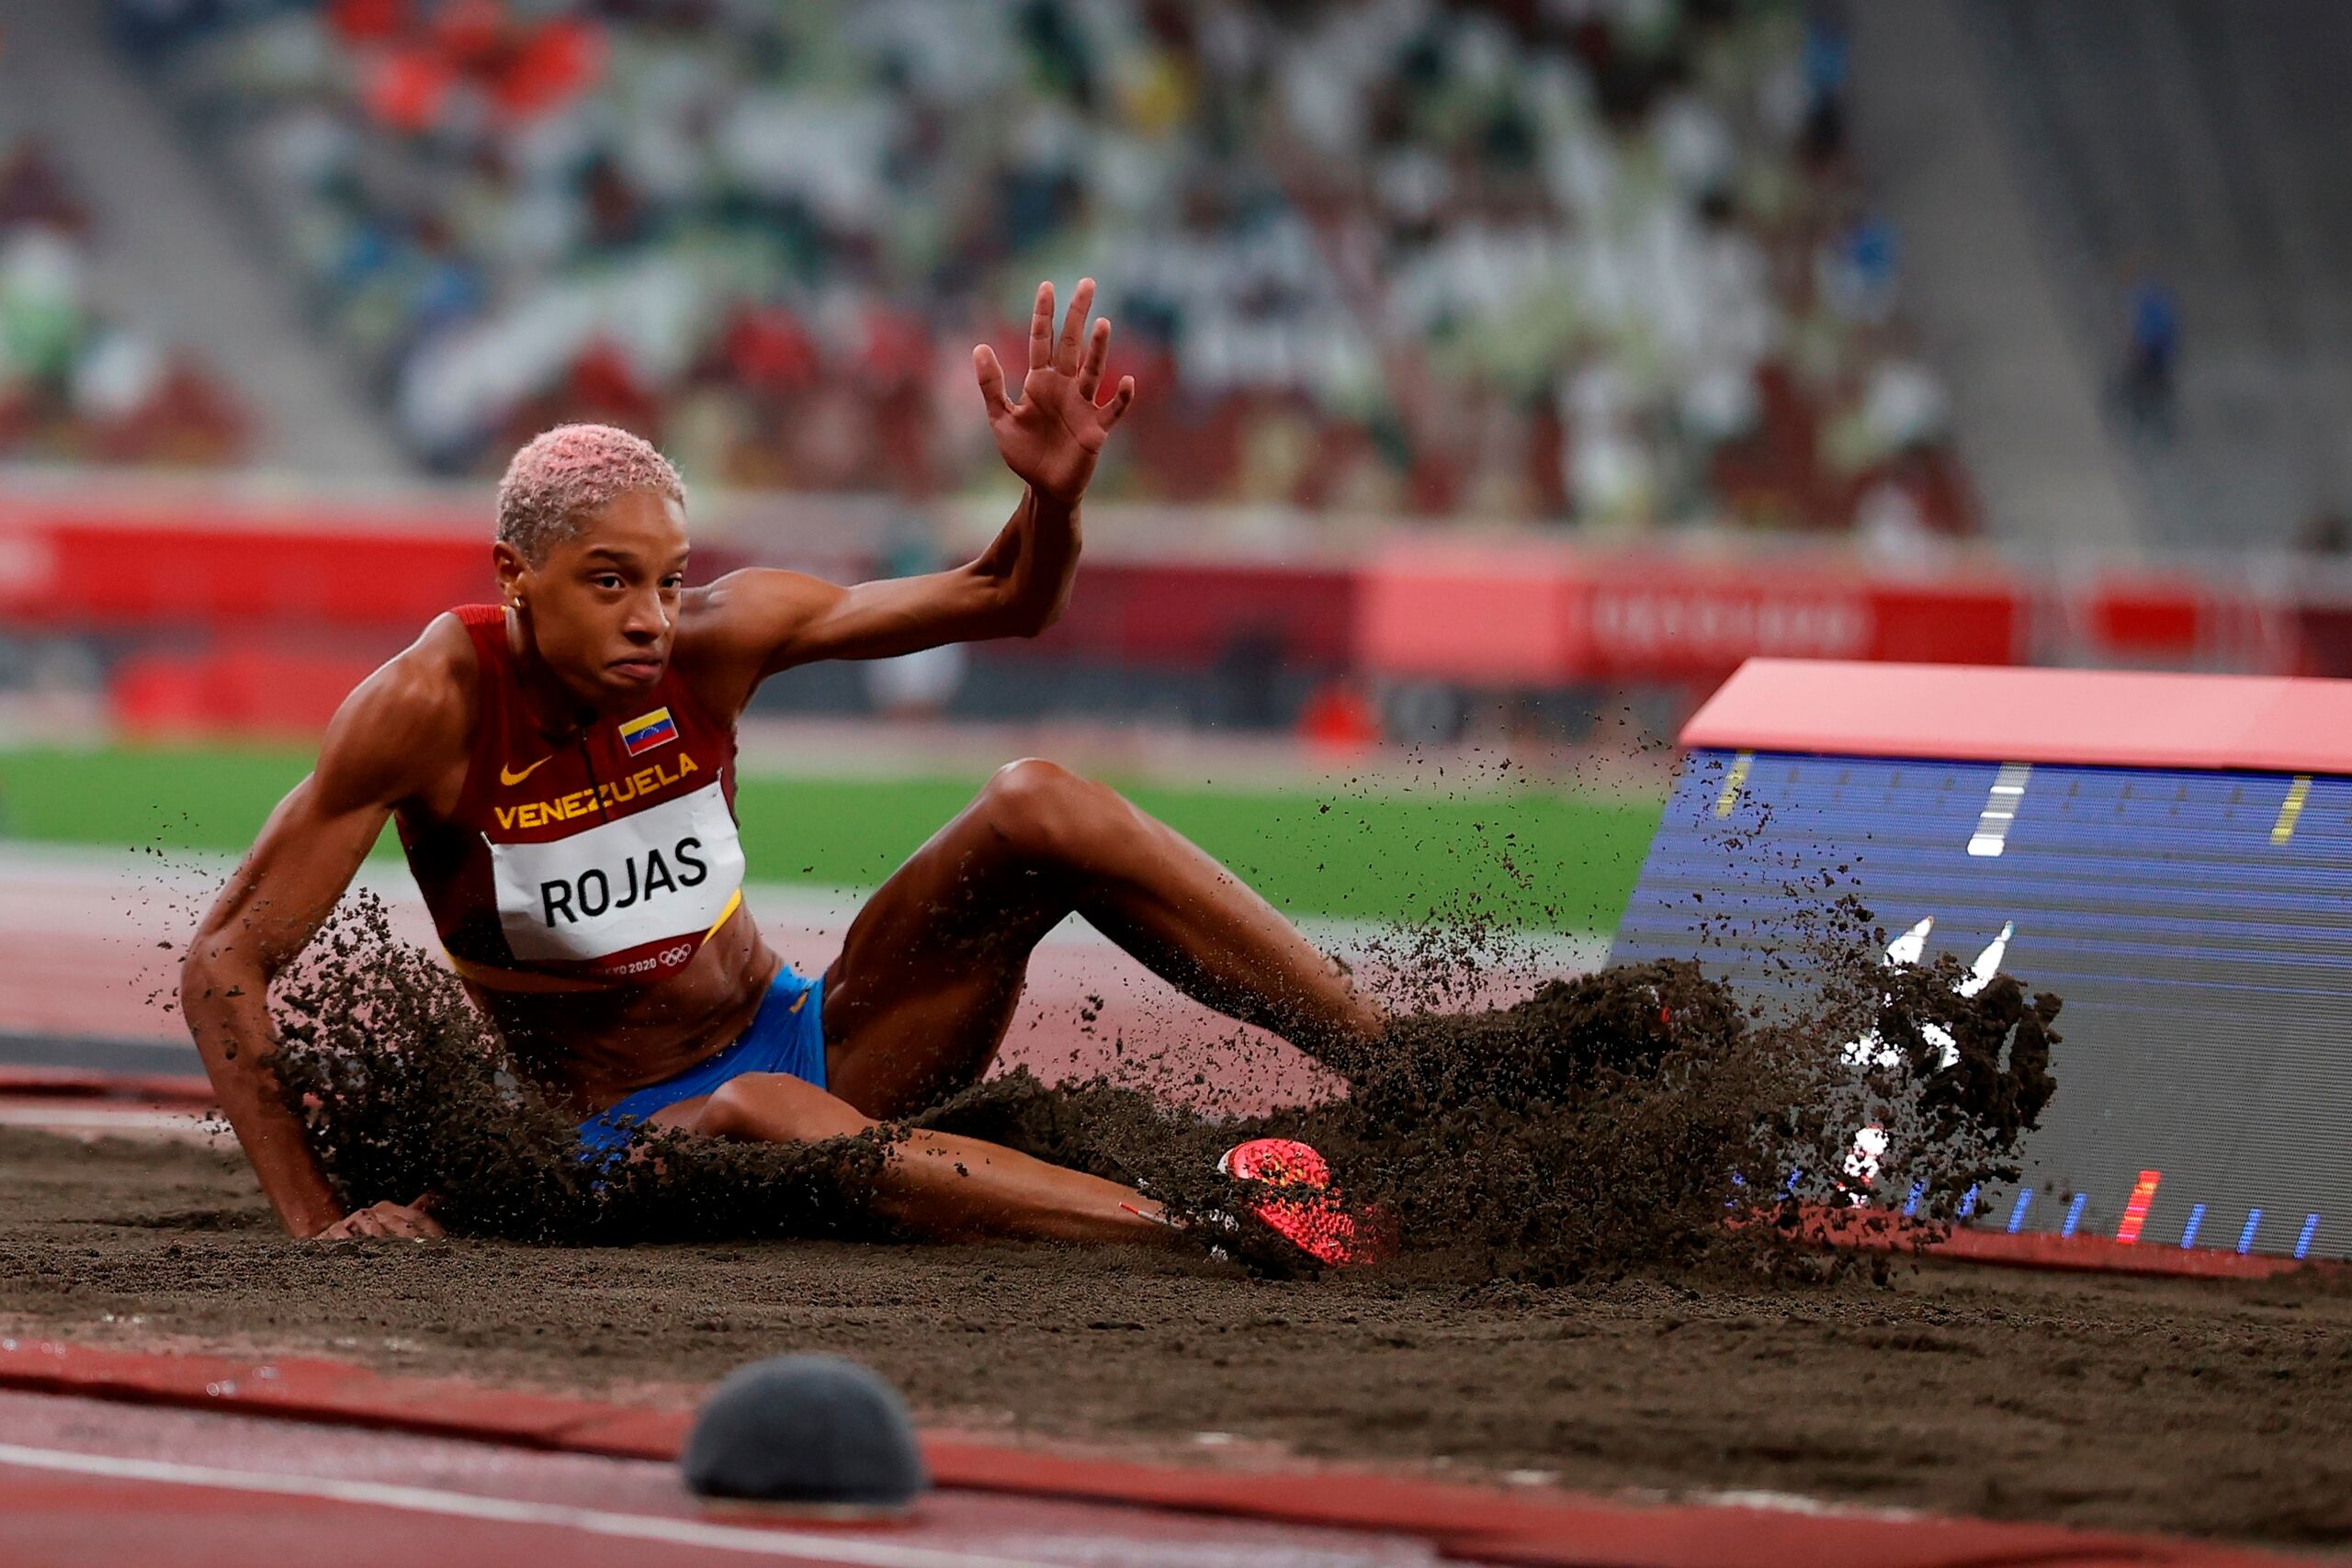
[
  {"x": 1598, "y": 261},
  {"x": 77, "y": 385}
]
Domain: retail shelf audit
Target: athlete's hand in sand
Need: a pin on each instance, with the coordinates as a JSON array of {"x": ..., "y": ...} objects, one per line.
[
  {"x": 386, "y": 1221},
  {"x": 1054, "y": 436}
]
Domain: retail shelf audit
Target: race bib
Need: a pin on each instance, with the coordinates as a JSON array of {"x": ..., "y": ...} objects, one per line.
[{"x": 667, "y": 872}]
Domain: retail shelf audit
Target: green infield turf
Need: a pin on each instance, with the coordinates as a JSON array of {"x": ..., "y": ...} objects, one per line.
[{"x": 1528, "y": 857}]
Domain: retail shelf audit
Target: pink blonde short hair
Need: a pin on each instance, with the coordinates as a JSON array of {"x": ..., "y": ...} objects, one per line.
[{"x": 565, "y": 473}]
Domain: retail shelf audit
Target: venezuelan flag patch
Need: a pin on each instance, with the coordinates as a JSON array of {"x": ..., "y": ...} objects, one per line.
[{"x": 648, "y": 731}]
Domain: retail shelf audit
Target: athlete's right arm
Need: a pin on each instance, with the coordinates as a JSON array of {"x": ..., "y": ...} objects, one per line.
[{"x": 383, "y": 746}]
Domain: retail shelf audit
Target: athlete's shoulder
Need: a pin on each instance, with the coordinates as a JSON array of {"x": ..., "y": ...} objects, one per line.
[
  {"x": 729, "y": 631},
  {"x": 431, "y": 681},
  {"x": 749, "y": 601},
  {"x": 407, "y": 723}
]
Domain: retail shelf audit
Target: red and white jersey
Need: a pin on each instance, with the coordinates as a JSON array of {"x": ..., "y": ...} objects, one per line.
[{"x": 609, "y": 858}]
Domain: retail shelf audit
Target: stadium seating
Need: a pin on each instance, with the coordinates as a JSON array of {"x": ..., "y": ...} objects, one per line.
[
  {"x": 76, "y": 385},
  {"x": 1597, "y": 260},
  {"x": 2186, "y": 161}
]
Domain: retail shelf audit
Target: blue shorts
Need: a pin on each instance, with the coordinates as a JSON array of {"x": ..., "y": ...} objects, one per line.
[{"x": 786, "y": 1035}]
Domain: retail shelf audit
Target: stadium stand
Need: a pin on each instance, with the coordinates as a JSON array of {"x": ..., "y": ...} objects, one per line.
[
  {"x": 1590, "y": 259},
  {"x": 77, "y": 385},
  {"x": 2185, "y": 158}
]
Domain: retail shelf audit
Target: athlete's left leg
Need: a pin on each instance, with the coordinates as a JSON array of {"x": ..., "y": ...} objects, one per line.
[
  {"x": 926, "y": 983},
  {"x": 938, "y": 1185}
]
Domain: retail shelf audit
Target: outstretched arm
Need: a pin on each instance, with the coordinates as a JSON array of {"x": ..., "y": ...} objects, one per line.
[
  {"x": 289, "y": 883},
  {"x": 760, "y": 622}
]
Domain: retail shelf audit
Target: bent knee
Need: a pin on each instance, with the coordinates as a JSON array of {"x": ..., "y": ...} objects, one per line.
[
  {"x": 1043, "y": 811},
  {"x": 777, "y": 1107}
]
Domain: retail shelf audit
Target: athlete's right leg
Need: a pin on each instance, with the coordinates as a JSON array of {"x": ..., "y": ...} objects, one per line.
[
  {"x": 935, "y": 1184},
  {"x": 932, "y": 969}
]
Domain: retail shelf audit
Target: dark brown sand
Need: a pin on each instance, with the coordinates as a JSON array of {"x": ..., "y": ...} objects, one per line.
[
  {"x": 2218, "y": 1409},
  {"x": 1569, "y": 1298},
  {"x": 1606, "y": 1123}
]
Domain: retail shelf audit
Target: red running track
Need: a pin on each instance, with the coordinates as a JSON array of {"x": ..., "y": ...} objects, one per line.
[
  {"x": 86, "y": 1482},
  {"x": 114, "y": 1457}
]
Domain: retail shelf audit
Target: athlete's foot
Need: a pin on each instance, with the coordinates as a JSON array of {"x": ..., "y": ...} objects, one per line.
[
  {"x": 1299, "y": 1217},
  {"x": 1301, "y": 1205},
  {"x": 1285, "y": 1161}
]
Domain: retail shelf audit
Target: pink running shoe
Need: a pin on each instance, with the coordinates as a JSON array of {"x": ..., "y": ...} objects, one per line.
[
  {"x": 1301, "y": 1207},
  {"x": 1285, "y": 1161}
]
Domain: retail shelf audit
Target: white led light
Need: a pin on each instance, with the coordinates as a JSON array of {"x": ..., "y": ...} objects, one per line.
[{"x": 2001, "y": 803}]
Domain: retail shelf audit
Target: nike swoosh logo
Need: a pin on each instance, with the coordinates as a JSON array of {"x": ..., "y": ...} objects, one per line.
[{"x": 510, "y": 779}]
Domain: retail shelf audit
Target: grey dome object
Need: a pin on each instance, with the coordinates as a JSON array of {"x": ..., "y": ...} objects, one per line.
[{"x": 807, "y": 1429}]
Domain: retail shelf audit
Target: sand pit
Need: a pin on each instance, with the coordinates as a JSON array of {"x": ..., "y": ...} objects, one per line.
[
  {"x": 1612, "y": 1354},
  {"x": 2220, "y": 1409}
]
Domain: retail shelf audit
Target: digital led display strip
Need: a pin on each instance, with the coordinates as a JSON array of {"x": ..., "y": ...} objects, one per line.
[
  {"x": 2094, "y": 1206},
  {"x": 2173, "y": 860}
]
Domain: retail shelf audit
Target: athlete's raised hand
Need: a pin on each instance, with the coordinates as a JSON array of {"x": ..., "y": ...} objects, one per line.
[{"x": 1054, "y": 436}]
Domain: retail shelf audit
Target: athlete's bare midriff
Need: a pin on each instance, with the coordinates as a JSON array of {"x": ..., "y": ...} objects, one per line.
[{"x": 594, "y": 1046}]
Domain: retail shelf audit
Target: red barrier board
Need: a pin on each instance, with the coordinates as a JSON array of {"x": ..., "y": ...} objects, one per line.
[
  {"x": 1495, "y": 616},
  {"x": 1648, "y": 617},
  {"x": 82, "y": 572},
  {"x": 1543, "y": 615},
  {"x": 1196, "y": 613},
  {"x": 1529, "y": 611}
]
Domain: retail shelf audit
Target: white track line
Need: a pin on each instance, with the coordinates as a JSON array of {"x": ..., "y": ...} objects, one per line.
[
  {"x": 795, "y": 1547},
  {"x": 54, "y": 1117}
]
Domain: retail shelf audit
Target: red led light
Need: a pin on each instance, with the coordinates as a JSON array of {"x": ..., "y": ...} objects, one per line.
[{"x": 2136, "y": 1212}]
